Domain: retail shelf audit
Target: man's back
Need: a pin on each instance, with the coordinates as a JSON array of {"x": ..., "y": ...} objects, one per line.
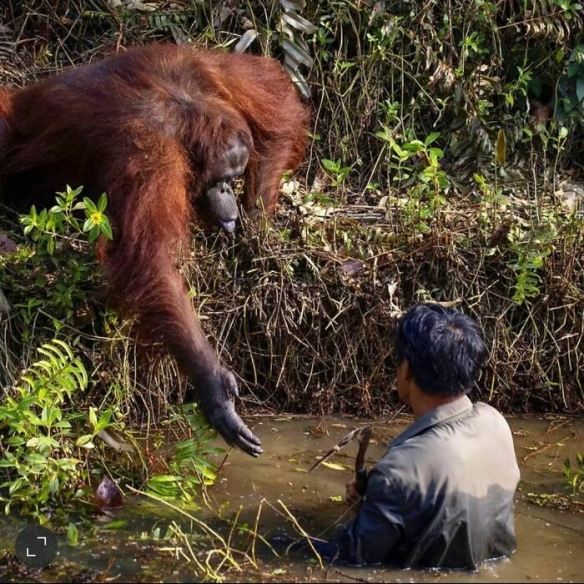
[{"x": 442, "y": 496}]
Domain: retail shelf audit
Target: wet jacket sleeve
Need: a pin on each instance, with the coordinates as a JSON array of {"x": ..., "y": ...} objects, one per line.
[{"x": 378, "y": 528}]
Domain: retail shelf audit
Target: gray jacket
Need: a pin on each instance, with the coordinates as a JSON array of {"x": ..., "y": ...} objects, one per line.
[{"x": 441, "y": 496}]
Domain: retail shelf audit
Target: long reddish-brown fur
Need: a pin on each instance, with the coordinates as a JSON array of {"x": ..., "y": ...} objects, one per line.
[{"x": 150, "y": 127}]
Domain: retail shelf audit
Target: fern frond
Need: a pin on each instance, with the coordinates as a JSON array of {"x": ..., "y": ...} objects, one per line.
[{"x": 58, "y": 374}]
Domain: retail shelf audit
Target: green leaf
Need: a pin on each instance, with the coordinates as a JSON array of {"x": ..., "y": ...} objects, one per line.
[
  {"x": 431, "y": 138},
  {"x": 573, "y": 69},
  {"x": 580, "y": 88},
  {"x": 330, "y": 165},
  {"x": 72, "y": 534},
  {"x": 414, "y": 146},
  {"x": 90, "y": 206},
  {"x": 165, "y": 479},
  {"x": 94, "y": 233},
  {"x": 85, "y": 441},
  {"x": 92, "y": 417},
  {"x": 106, "y": 229},
  {"x": 102, "y": 203},
  {"x": 54, "y": 485}
]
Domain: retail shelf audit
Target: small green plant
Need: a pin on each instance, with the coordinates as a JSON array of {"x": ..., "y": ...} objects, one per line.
[
  {"x": 531, "y": 249},
  {"x": 336, "y": 171},
  {"x": 188, "y": 468},
  {"x": 574, "y": 477},
  {"x": 45, "y": 443},
  {"x": 383, "y": 38},
  {"x": 492, "y": 202},
  {"x": 432, "y": 180},
  {"x": 61, "y": 263},
  {"x": 72, "y": 534},
  {"x": 415, "y": 164},
  {"x": 519, "y": 86},
  {"x": 322, "y": 41},
  {"x": 59, "y": 226}
]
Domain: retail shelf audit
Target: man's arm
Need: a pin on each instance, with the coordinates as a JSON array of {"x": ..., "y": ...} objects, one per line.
[{"x": 377, "y": 529}]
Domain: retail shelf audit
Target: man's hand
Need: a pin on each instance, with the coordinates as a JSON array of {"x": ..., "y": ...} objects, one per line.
[{"x": 352, "y": 496}]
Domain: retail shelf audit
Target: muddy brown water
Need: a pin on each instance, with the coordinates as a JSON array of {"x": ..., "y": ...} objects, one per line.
[
  {"x": 550, "y": 541},
  {"x": 271, "y": 489}
]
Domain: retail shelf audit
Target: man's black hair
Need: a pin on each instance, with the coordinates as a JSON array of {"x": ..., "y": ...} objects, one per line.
[{"x": 444, "y": 348}]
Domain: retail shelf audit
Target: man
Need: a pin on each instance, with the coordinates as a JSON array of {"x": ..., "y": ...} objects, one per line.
[{"x": 442, "y": 495}]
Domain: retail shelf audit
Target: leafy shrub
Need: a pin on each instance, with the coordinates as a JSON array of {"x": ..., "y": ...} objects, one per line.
[
  {"x": 44, "y": 449},
  {"x": 49, "y": 451}
]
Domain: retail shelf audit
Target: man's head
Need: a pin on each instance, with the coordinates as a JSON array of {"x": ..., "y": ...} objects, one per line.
[{"x": 440, "y": 350}]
